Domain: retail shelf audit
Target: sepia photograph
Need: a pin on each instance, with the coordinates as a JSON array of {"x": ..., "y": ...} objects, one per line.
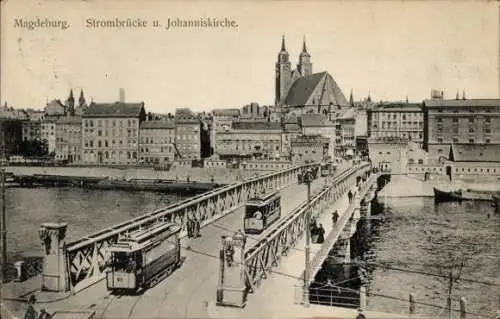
[{"x": 249, "y": 159}]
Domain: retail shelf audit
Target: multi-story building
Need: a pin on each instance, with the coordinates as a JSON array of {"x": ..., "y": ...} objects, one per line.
[
  {"x": 157, "y": 139},
  {"x": 318, "y": 124},
  {"x": 69, "y": 139},
  {"x": 10, "y": 136},
  {"x": 398, "y": 120},
  {"x": 361, "y": 125},
  {"x": 459, "y": 121},
  {"x": 250, "y": 139},
  {"x": 291, "y": 129},
  {"x": 345, "y": 138},
  {"x": 312, "y": 148},
  {"x": 48, "y": 132},
  {"x": 31, "y": 130},
  {"x": 224, "y": 118},
  {"x": 110, "y": 133},
  {"x": 187, "y": 134}
]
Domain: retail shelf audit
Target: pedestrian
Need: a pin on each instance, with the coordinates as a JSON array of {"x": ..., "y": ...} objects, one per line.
[
  {"x": 335, "y": 217},
  {"x": 349, "y": 195},
  {"x": 30, "y": 311},
  {"x": 360, "y": 315},
  {"x": 189, "y": 225},
  {"x": 196, "y": 227},
  {"x": 321, "y": 234},
  {"x": 44, "y": 314}
]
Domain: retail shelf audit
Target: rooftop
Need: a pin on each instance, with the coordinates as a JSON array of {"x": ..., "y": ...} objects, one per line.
[
  {"x": 474, "y": 153},
  {"x": 462, "y": 103},
  {"x": 256, "y": 125},
  {"x": 70, "y": 120},
  {"x": 185, "y": 115},
  {"x": 314, "y": 119},
  {"x": 116, "y": 109},
  {"x": 397, "y": 107},
  {"x": 158, "y": 124}
]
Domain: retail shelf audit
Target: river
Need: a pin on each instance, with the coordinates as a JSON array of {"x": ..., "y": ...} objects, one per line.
[
  {"x": 408, "y": 243},
  {"x": 85, "y": 211}
]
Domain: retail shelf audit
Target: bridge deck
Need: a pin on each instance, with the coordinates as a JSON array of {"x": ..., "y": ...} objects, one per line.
[{"x": 191, "y": 289}]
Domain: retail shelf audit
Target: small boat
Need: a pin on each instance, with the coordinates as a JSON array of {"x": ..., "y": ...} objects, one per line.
[{"x": 447, "y": 195}]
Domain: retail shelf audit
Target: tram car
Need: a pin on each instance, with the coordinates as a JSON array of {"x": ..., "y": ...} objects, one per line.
[
  {"x": 143, "y": 258},
  {"x": 262, "y": 211}
]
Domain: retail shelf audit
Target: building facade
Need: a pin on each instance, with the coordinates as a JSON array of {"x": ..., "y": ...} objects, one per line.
[
  {"x": 250, "y": 139},
  {"x": 315, "y": 124},
  {"x": 69, "y": 139},
  {"x": 309, "y": 148},
  {"x": 396, "y": 120},
  {"x": 187, "y": 134},
  {"x": 31, "y": 130},
  {"x": 157, "y": 141},
  {"x": 460, "y": 121},
  {"x": 110, "y": 133},
  {"x": 48, "y": 132}
]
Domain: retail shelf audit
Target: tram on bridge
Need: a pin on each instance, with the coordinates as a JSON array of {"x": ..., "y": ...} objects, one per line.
[
  {"x": 143, "y": 258},
  {"x": 328, "y": 169},
  {"x": 262, "y": 211}
]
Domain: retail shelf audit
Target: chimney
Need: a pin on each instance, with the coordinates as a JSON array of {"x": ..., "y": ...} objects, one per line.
[{"x": 122, "y": 95}]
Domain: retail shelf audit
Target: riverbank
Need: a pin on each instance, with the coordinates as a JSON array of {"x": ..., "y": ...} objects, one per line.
[
  {"x": 180, "y": 174},
  {"x": 401, "y": 186}
]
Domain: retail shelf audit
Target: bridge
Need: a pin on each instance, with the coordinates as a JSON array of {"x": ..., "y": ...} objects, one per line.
[{"x": 74, "y": 271}]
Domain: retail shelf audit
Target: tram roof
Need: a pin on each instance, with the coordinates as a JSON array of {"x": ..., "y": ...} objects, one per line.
[
  {"x": 142, "y": 237},
  {"x": 263, "y": 197}
]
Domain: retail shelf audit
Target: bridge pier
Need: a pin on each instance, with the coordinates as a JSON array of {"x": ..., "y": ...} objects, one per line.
[{"x": 55, "y": 276}]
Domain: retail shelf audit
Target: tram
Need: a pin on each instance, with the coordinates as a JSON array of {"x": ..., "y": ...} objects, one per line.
[
  {"x": 262, "y": 211},
  {"x": 143, "y": 258}
]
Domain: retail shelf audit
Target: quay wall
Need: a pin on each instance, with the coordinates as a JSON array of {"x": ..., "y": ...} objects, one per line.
[{"x": 220, "y": 175}]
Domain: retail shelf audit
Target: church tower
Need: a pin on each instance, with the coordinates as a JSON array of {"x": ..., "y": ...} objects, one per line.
[
  {"x": 283, "y": 73},
  {"x": 81, "y": 100},
  {"x": 70, "y": 104},
  {"x": 305, "y": 66}
]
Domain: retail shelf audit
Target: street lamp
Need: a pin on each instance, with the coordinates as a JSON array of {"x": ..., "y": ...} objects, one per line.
[{"x": 307, "y": 178}]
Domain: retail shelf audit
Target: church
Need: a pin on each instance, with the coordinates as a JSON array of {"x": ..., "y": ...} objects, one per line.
[{"x": 303, "y": 91}]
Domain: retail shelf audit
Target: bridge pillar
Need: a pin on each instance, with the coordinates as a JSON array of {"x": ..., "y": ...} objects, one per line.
[
  {"x": 55, "y": 275},
  {"x": 232, "y": 279}
]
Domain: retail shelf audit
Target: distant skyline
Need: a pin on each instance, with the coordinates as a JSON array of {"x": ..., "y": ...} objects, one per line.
[{"x": 392, "y": 49}]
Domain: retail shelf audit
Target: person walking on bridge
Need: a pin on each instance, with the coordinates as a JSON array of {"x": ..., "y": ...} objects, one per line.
[
  {"x": 349, "y": 196},
  {"x": 335, "y": 217}
]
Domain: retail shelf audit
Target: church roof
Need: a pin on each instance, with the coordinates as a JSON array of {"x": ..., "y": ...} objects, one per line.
[
  {"x": 302, "y": 89},
  {"x": 116, "y": 109},
  {"x": 474, "y": 153}
]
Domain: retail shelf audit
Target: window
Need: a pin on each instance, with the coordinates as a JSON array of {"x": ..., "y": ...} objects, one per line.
[
  {"x": 440, "y": 151},
  {"x": 471, "y": 140},
  {"x": 488, "y": 141},
  {"x": 471, "y": 130},
  {"x": 487, "y": 130},
  {"x": 487, "y": 120},
  {"x": 420, "y": 161},
  {"x": 440, "y": 140},
  {"x": 439, "y": 120},
  {"x": 455, "y": 120},
  {"x": 471, "y": 120},
  {"x": 455, "y": 140},
  {"x": 455, "y": 130}
]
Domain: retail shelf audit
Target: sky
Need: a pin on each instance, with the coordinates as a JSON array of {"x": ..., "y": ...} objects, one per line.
[{"x": 391, "y": 49}]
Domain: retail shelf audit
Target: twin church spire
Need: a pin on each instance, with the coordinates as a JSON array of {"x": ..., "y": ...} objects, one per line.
[{"x": 285, "y": 76}]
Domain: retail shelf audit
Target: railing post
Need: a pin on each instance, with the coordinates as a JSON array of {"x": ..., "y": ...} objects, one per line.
[
  {"x": 463, "y": 308},
  {"x": 362, "y": 298},
  {"x": 412, "y": 303}
]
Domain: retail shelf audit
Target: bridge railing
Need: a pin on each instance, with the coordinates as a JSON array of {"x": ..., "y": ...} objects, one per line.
[
  {"x": 265, "y": 254},
  {"x": 88, "y": 258}
]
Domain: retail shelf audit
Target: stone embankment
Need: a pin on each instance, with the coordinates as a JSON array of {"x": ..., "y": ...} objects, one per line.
[
  {"x": 409, "y": 186},
  {"x": 195, "y": 174}
]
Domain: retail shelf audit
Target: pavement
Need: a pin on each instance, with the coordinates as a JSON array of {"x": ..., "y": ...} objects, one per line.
[{"x": 185, "y": 293}]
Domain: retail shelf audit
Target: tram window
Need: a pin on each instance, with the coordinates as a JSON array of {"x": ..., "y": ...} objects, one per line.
[{"x": 123, "y": 261}]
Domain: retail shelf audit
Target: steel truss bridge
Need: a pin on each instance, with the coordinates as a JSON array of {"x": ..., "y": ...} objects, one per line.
[
  {"x": 87, "y": 258},
  {"x": 261, "y": 257}
]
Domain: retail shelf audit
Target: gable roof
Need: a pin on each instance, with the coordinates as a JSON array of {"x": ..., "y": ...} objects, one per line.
[
  {"x": 302, "y": 89},
  {"x": 116, "y": 109},
  {"x": 474, "y": 153}
]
